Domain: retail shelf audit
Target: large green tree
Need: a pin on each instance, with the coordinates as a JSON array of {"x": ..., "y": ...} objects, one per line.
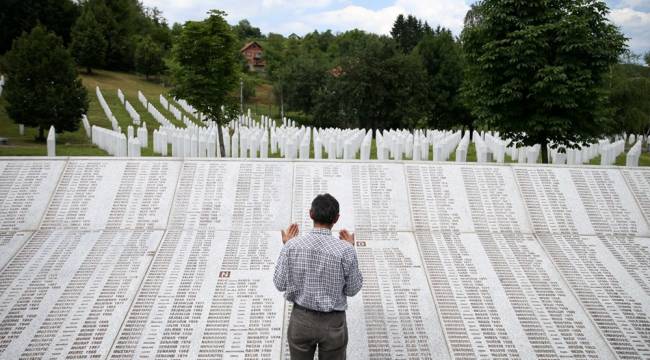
[
  {"x": 630, "y": 98},
  {"x": 148, "y": 57},
  {"x": 377, "y": 86},
  {"x": 537, "y": 69},
  {"x": 123, "y": 23},
  {"x": 43, "y": 87},
  {"x": 88, "y": 44},
  {"x": 245, "y": 31},
  {"x": 408, "y": 31},
  {"x": 18, "y": 16},
  {"x": 205, "y": 68},
  {"x": 442, "y": 57}
]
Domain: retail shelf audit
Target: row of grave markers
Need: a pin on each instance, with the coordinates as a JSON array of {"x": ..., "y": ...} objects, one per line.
[{"x": 246, "y": 137}]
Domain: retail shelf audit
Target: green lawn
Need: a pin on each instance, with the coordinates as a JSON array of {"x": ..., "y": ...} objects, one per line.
[{"x": 68, "y": 143}]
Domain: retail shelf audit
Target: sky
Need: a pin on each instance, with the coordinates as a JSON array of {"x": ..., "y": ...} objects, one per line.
[{"x": 377, "y": 16}]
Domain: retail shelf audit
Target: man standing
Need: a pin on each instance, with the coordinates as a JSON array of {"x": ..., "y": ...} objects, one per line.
[{"x": 317, "y": 271}]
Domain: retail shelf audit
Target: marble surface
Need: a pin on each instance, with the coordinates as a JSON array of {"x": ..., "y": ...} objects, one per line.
[
  {"x": 26, "y": 188},
  {"x": 168, "y": 258},
  {"x": 101, "y": 194}
]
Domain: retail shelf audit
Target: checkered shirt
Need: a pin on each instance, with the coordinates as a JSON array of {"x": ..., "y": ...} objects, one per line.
[{"x": 318, "y": 271}]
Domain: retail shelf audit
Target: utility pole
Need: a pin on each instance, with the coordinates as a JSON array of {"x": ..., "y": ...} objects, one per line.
[
  {"x": 281, "y": 102},
  {"x": 241, "y": 96}
]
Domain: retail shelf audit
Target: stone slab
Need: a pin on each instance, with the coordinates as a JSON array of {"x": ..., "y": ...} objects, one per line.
[
  {"x": 208, "y": 294},
  {"x": 66, "y": 293},
  {"x": 461, "y": 198},
  {"x": 10, "y": 243},
  {"x": 585, "y": 201},
  {"x": 228, "y": 195},
  {"x": 168, "y": 258},
  {"x": 372, "y": 197},
  {"x": 639, "y": 183},
  {"x": 25, "y": 191},
  {"x": 499, "y": 296},
  {"x": 609, "y": 275},
  {"x": 112, "y": 194}
]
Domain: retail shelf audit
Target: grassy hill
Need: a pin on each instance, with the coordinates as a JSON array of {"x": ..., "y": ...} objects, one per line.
[{"x": 77, "y": 144}]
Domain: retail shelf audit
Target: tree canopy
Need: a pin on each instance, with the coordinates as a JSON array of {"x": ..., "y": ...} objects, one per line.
[
  {"x": 409, "y": 31},
  {"x": 536, "y": 69},
  {"x": 630, "y": 98},
  {"x": 204, "y": 67},
  {"x": 18, "y": 16},
  {"x": 43, "y": 87},
  {"x": 148, "y": 57},
  {"x": 88, "y": 45},
  {"x": 443, "y": 60}
]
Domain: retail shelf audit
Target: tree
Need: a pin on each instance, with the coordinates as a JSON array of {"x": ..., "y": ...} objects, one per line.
[
  {"x": 630, "y": 98},
  {"x": 88, "y": 45},
  {"x": 646, "y": 58},
  {"x": 376, "y": 87},
  {"x": 123, "y": 15},
  {"x": 244, "y": 31},
  {"x": 204, "y": 67},
  {"x": 43, "y": 87},
  {"x": 302, "y": 76},
  {"x": 18, "y": 16},
  {"x": 442, "y": 57},
  {"x": 148, "y": 57},
  {"x": 408, "y": 32},
  {"x": 537, "y": 69}
]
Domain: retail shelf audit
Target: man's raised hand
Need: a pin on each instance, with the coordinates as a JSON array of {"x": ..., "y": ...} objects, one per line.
[
  {"x": 290, "y": 233},
  {"x": 347, "y": 236}
]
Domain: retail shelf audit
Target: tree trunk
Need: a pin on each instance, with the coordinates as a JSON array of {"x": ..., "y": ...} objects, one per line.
[
  {"x": 41, "y": 134},
  {"x": 544, "y": 151},
  {"x": 89, "y": 70},
  {"x": 222, "y": 149}
]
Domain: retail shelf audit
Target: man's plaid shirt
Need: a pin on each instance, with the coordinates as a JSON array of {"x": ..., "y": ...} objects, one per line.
[{"x": 318, "y": 271}]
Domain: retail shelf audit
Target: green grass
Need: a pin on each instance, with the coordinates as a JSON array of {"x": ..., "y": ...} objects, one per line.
[{"x": 67, "y": 144}]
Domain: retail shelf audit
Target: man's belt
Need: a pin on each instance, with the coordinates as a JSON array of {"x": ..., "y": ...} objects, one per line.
[{"x": 299, "y": 307}]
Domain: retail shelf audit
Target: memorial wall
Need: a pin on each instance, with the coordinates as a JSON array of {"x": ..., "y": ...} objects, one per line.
[{"x": 163, "y": 258}]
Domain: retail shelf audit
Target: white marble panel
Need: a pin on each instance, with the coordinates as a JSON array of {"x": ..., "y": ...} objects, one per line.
[
  {"x": 113, "y": 194},
  {"x": 10, "y": 243},
  {"x": 438, "y": 201},
  {"x": 585, "y": 201},
  {"x": 25, "y": 191},
  {"x": 66, "y": 293},
  {"x": 609, "y": 275},
  {"x": 500, "y": 296},
  {"x": 461, "y": 198},
  {"x": 494, "y": 201},
  {"x": 372, "y": 197},
  {"x": 639, "y": 182},
  {"x": 208, "y": 294},
  {"x": 310, "y": 180},
  {"x": 232, "y": 195}
]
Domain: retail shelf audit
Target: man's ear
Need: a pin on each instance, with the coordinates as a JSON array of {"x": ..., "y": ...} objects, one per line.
[
  {"x": 311, "y": 214},
  {"x": 336, "y": 218}
]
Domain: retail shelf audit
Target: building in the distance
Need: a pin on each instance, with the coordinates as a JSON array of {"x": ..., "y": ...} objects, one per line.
[{"x": 253, "y": 53}]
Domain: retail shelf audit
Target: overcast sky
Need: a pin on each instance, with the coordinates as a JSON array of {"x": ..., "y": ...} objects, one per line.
[{"x": 300, "y": 16}]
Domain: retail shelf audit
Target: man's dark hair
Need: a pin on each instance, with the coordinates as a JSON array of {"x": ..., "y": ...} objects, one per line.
[{"x": 324, "y": 209}]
